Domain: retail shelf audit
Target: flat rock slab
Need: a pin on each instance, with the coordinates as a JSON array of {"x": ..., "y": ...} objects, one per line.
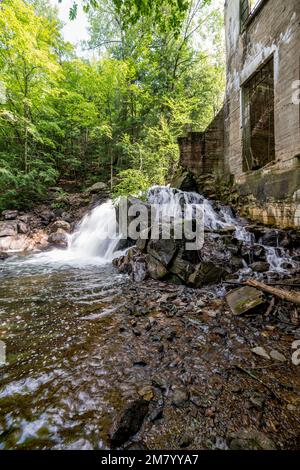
[{"x": 246, "y": 300}]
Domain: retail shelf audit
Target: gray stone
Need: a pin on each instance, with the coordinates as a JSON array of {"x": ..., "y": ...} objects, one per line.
[
  {"x": 246, "y": 300},
  {"x": 60, "y": 224},
  {"x": 58, "y": 239},
  {"x": 8, "y": 228},
  {"x": 22, "y": 227},
  {"x": 261, "y": 352},
  {"x": 206, "y": 273},
  {"x": 277, "y": 356},
  {"x": 97, "y": 187},
  {"x": 47, "y": 216},
  {"x": 10, "y": 215},
  {"x": 260, "y": 267},
  {"x": 162, "y": 250},
  {"x": 249, "y": 439},
  {"x": 155, "y": 268}
]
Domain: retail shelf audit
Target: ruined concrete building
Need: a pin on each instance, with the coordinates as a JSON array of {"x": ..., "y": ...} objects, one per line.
[{"x": 255, "y": 140}]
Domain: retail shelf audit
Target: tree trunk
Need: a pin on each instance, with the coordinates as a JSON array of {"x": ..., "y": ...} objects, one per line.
[{"x": 289, "y": 296}]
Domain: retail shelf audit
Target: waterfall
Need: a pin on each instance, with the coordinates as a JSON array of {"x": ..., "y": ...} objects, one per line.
[
  {"x": 170, "y": 202},
  {"x": 95, "y": 240}
]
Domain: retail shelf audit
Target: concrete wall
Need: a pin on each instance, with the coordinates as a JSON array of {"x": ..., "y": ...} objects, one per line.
[
  {"x": 203, "y": 152},
  {"x": 273, "y": 31}
]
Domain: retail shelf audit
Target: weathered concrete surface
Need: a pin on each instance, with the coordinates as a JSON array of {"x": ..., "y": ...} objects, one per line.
[{"x": 270, "y": 194}]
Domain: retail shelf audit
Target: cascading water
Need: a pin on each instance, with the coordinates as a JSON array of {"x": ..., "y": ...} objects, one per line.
[
  {"x": 170, "y": 202},
  {"x": 94, "y": 241},
  {"x": 96, "y": 238}
]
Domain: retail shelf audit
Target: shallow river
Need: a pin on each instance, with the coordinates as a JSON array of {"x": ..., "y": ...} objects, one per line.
[{"x": 54, "y": 386}]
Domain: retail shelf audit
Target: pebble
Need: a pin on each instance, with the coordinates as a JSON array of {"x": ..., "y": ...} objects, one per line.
[
  {"x": 259, "y": 351},
  {"x": 277, "y": 356}
]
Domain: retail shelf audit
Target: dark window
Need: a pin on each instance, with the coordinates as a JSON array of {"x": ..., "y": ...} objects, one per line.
[
  {"x": 258, "y": 119},
  {"x": 248, "y": 8}
]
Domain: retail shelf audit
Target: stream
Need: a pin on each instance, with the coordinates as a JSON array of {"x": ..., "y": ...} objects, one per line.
[{"x": 60, "y": 317}]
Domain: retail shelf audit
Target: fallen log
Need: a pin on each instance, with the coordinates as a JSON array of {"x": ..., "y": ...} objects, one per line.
[{"x": 289, "y": 296}]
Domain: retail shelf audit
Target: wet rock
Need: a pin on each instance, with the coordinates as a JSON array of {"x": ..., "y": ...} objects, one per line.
[
  {"x": 227, "y": 229},
  {"x": 181, "y": 268},
  {"x": 261, "y": 352},
  {"x": 246, "y": 300},
  {"x": 8, "y": 229},
  {"x": 146, "y": 393},
  {"x": 96, "y": 188},
  {"x": 277, "y": 356},
  {"x": 248, "y": 439},
  {"x": 128, "y": 422},
  {"x": 206, "y": 273},
  {"x": 272, "y": 237},
  {"x": 60, "y": 224},
  {"x": 139, "y": 270},
  {"x": 259, "y": 253},
  {"x": 3, "y": 256},
  {"x": 179, "y": 397},
  {"x": 162, "y": 250},
  {"x": 22, "y": 227},
  {"x": 47, "y": 216},
  {"x": 260, "y": 267},
  {"x": 58, "y": 239},
  {"x": 155, "y": 268},
  {"x": 10, "y": 215}
]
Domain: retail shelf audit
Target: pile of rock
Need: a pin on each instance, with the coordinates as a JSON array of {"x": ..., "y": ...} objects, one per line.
[
  {"x": 222, "y": 255},
  {"x": 170, "y": 260}
]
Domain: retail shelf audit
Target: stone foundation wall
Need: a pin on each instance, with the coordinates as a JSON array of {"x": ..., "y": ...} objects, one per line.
[
  {"x": 269, "y": 194},
  {"x": 202, "y": 153}
]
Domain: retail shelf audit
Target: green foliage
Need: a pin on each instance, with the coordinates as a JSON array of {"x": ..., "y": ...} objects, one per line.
[
  {"x": 133, "y": 182},
  {"x": 157, "y": 71}
]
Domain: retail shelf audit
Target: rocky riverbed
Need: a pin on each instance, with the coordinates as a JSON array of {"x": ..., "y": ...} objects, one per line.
[
  {"x": 101, "y": 360},
  {"x": 145, "y": 365}
]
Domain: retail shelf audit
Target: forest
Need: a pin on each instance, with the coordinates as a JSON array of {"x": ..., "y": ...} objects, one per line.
[
  {"x": 113, "y": 115},
  {"x": 149, "y": 230}
]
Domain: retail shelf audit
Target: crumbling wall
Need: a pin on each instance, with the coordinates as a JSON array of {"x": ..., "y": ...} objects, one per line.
[
  {"x": 202, "y": 153},
  {"x": 269, "y": 193}
]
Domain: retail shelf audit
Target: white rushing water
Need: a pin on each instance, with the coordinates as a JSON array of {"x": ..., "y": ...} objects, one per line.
[
  {"x": 172, "y": 201},
  {"x": 95, "y": 240}
]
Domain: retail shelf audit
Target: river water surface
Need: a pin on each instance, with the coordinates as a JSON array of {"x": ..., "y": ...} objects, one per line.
[{"x": 52, "y": 320}]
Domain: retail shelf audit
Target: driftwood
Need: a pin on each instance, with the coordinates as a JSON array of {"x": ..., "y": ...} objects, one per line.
[{"x": 289, "y": 296}]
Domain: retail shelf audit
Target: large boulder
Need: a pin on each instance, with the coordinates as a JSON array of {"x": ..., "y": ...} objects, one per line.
[
  {"x": 97, "y": 187},
  {"x": 169, "y": 259},
  {"x": 246, "y": 301},
  {"x": 10, "y": 214},
  {"x": 60, "y": 224},
  {"x": 162, "y": 250},
  {"x": 207, "y": 273},
  {"x": 8, "y": 228},
  {"x": 59, "y": 239},
  {"x": 15, "y": 243}
]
